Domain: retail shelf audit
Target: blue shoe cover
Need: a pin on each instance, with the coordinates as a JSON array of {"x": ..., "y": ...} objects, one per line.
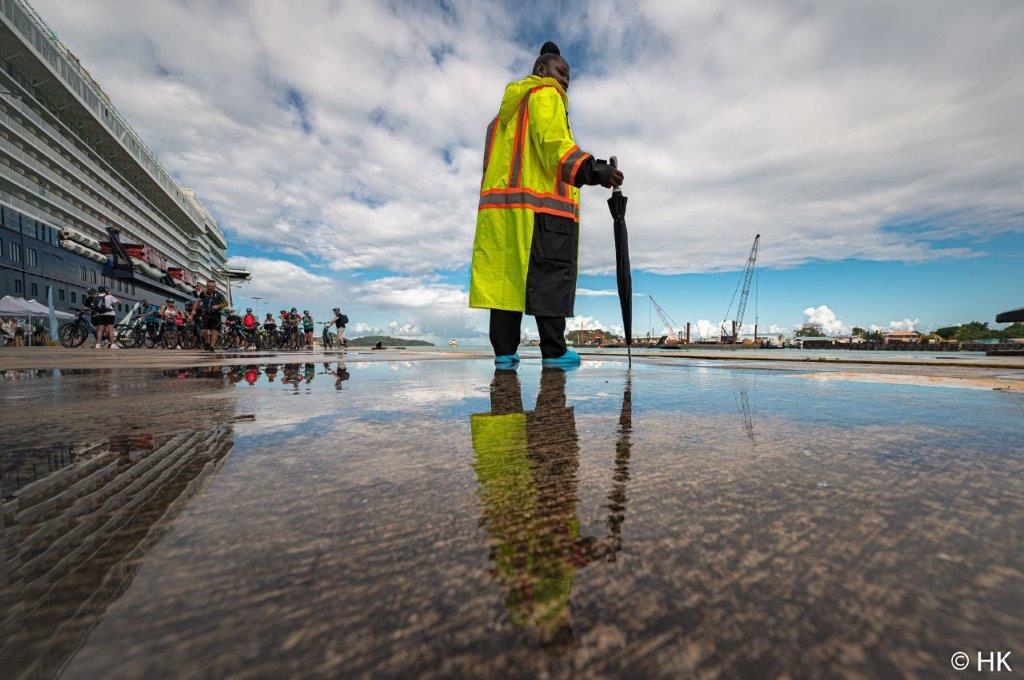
[
  {"x": 506, "y": 360},
  {"x": 570, "y": 358}
]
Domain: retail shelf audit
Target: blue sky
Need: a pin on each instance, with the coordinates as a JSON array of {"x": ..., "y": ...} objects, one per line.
[{"x": 876, "y": 147}]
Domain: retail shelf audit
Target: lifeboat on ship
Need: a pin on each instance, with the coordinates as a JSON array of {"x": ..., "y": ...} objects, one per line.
[
  {"x": 182, "y": 275},
  {"x": 79, "y": 249},
  {"x": 75, "y": 236},
  {"x": 146, "y": 268}
]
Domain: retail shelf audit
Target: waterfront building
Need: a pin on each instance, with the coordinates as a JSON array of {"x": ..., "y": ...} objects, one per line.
[
  {"x": 83, "y": 201},
  {"x": 901, "y": 336}
]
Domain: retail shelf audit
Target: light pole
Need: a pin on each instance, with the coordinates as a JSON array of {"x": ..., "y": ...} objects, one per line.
[{"x": 257, "y": 299}]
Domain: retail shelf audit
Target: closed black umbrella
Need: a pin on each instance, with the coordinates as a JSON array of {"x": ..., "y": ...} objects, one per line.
[{"x": 623, "y": 277}]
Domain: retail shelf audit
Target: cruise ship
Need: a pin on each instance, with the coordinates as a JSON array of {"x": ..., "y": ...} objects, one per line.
[{"x": 84, "y": 202}]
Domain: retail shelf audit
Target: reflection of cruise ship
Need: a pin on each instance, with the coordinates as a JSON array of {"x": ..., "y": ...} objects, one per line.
[
  {"x": 77, "y": 526},
  {"x": 84, "y": 201}
]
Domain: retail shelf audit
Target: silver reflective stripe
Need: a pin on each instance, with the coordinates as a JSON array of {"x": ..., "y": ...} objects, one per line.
[
  {"x": 488, "y": 142},
  {"x": 570, "y": 163},
  {"x": 518, "y": 198},
  {"x": 519, "y": 140}
]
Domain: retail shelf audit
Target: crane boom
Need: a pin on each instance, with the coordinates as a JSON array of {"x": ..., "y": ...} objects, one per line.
[
  {"x": 748, "y": 275},
  {"x": 669, "y": 323},
  {"x": 744, "y": 285}
]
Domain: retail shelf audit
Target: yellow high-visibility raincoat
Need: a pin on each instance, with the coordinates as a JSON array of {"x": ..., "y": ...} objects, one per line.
[{"x": 527, "y": 228}]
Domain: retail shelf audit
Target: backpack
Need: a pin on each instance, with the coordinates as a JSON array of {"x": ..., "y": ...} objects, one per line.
[
  {"x": 100, "y": 306},
  {"x": 344, "y": 319}
]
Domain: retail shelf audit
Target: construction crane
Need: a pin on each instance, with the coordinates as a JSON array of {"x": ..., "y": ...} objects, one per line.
[
  {"x": 669, "y": 323},
  {"x": 745, "y": 280}
]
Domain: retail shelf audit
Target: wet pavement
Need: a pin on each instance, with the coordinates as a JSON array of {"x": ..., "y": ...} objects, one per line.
[{"x": 435, "y": 518}]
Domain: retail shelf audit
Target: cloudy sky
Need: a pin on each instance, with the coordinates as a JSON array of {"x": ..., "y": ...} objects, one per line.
[{"x": 877, "y": 147}]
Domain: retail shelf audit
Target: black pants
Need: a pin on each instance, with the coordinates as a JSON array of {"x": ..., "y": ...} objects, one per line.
[{"x": 506, "y": 328}]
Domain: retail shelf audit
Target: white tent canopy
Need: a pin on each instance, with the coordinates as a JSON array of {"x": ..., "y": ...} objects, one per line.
[{"x": 27, "y": 309}]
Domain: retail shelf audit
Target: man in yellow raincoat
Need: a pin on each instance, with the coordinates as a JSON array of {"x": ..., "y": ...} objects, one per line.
[{"x": 527, "y": 228}]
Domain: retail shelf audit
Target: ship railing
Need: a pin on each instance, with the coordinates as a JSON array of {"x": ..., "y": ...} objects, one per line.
[
  {"x": 64, "y": 137},
  {"x": 43, "y": 40}
]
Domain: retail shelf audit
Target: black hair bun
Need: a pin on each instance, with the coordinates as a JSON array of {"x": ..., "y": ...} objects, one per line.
[{"x": 550, "y": 48}]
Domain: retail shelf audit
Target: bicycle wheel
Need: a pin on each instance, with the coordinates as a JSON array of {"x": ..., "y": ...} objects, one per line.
[
  {"x": 170, "y": 338},
  {"x": 189, "y": 339},
  {"x": 128, "y": 337},
  {"x": 72, "y": 335},
  {"x": 149, "y": 338}
]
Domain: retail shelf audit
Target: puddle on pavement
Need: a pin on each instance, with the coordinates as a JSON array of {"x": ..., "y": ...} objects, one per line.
[{"x": 439, "y": 518}]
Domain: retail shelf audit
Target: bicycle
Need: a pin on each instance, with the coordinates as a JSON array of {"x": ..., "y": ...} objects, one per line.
[
  {"x": 188, "y": 336},
  {"x": 128, "y": 335},
  {"x": 154, "y": 333},
  {"x": 291, "y": 338},
  {"x": 75, "y": 333},
  {"x": 236, "y": 335}
]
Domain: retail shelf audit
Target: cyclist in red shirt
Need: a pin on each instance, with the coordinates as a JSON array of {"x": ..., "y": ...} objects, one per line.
[{"x": 250, "y": 323}]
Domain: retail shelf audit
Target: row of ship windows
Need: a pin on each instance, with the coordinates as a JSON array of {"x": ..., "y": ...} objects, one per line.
[
  {"x": 33, "y": 290},
  {"x": 89, "y": 276}
]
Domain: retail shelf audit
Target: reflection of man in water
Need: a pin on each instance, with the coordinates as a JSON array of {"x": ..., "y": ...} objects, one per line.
[
  {"x": 526, "y": 465},
  {"x": 340, "y": 375}
]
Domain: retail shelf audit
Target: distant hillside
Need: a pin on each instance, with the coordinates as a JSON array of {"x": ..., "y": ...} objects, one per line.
[
  {"x": 589, "y": 336},
  {"x": 387, "y": 341}
]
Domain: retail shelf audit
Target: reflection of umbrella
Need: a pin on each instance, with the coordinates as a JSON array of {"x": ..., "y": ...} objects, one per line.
[
  {"x": 52, "y": 312},
  {"x": 617, "y": 498},
  {"x": 623, "y": 277}
]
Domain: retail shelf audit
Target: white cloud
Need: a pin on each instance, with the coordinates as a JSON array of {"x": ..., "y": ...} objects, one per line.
[
  {"x": 826, "y": 318},
  {"x": 281, "y": 282},
  {"x": 704, "y": 330},
  {"x": 587, "y": 292},
  {"x": 583, "y": 323},
  {"x": 350, "y": 133},
  {"x": 430, "y": 307},
  {"x": 905, "y": 324}
]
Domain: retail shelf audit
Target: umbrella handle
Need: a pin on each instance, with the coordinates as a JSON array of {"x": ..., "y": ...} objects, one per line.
[{"x": 614, "y": 162}]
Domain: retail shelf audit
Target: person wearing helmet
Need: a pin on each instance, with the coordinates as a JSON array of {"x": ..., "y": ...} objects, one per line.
[
  {"x": 249, "y": 323},
  {"x": 307, "y": 328},
  {"x": 340, "y": 321},
  {"x": 88, "y": 305},
  {"x": 284, "y": 325},
  {"x": 169, "y": 313},
  {"x": 211, "y": 305},
  {"x": 104, "y": 316}
]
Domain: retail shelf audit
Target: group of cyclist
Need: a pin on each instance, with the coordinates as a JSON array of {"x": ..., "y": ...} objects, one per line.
[{"x": 209, "y": 323}]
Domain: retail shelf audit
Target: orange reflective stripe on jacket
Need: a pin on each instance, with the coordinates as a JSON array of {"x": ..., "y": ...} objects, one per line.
[{"x": 519, "y": 197}]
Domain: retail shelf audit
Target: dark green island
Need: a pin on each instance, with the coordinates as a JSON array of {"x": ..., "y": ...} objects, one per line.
[{"x": 386, "y": 341}]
